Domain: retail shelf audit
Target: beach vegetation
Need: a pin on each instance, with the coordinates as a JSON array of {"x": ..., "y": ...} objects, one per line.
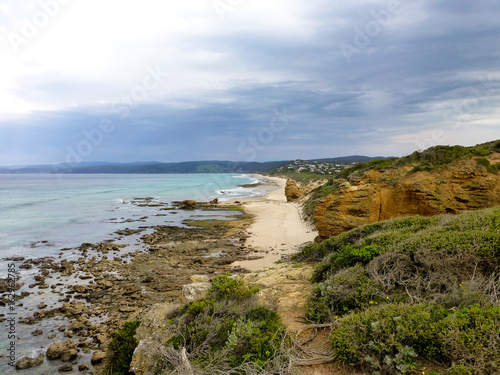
[
  {"x": 227, "y": 332},
  {"x": 121, "y": 348},
  {"x": 412, "y": 288}
]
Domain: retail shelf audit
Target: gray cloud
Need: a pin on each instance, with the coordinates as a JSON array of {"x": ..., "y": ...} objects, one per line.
[{"x": 410, "y": 68}]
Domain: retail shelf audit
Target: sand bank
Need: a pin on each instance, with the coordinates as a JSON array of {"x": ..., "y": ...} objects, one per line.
[{"x": 278, "y": 228}]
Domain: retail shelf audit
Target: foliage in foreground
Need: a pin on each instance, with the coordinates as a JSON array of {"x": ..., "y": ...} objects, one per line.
[
  {"x": 390, "y": 338},
  {"x": 413, "y": 288},
  {"x": 121, "y": 349},
  {"x": 227, "y": 332}
]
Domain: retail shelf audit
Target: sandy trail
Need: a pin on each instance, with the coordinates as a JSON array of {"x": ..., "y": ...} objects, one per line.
[{"x": 278, "y": 228}]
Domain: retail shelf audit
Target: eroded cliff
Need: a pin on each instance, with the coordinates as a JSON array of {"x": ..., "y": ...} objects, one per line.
[{"x": 384, "y": 194}]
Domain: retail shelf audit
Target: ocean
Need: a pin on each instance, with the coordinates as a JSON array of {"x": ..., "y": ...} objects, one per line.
[
  {"x": 40, "y": 214},
  {"x": 43, "y": 215}
]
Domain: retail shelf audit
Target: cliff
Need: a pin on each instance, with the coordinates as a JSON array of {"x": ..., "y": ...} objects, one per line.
[{"x": 376, "y": 195}]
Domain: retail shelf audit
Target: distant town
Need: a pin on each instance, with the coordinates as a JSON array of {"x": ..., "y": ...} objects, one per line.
[{"x": 312, "y": 166}]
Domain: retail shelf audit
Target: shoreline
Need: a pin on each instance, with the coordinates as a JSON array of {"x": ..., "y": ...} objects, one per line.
[
  {"x": 86, "y": 299},
  {"x": 277, "y": 228}
]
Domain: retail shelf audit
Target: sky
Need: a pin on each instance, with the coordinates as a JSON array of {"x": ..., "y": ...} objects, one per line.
[{"x": 244, "y": 80}]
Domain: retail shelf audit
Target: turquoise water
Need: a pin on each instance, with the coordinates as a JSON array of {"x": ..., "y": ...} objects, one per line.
[{"x": 40, "y": 214}]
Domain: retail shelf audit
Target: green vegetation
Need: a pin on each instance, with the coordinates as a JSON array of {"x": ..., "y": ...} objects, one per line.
[
  {"x": 228, "y": 333},
  {"x": 302, "y": 177},
  {"x": 412, "y": 288},
  {"x": 432, "y": 158},
  {"x": 121, "y": 349},
  {"x": 331, "y": 187}
]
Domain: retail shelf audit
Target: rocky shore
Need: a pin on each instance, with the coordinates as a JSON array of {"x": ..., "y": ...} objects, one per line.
[
  {"x": 142, "y": 274},
  {"x": 79, "y": 304}
]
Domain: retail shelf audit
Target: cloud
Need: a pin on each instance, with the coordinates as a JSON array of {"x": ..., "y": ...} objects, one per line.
[{"x": 371, "y": 77}]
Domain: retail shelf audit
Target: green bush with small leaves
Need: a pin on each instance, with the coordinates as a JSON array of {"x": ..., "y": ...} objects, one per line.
[
  {"x": 350, "y": 289},
  {"x": 388, "y": 339},
  {"x": 226, "y": 287},
  {"x": 121, "y": 349},
  {"x": 228, "y": 331},
  {"x": 473, "y": 339}
]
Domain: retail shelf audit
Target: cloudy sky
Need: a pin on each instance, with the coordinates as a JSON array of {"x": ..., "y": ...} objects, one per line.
[{"x": 129, "y": 80}]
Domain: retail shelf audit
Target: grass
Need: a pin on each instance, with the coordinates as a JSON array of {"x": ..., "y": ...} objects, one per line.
[{"x": 412, "y": 288}]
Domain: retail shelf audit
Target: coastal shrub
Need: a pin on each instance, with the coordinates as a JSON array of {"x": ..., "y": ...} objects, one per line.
[
  {"x": 227, "y": 287},
  {"x": 228, "y": 332},
  {"x": 348, "y": 290},
  {"x": 389, "y": 338},
  {"x": 482, "y": 162},
  {"x": 473, "y": 339},
  {"x": 468, "y": 239},
  {"x": 121, "y": 348}
]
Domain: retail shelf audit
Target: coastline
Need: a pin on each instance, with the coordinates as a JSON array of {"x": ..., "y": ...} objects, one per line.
[
  {"x": 84, "y": 299},
  {"x": 277, "y": 228}
]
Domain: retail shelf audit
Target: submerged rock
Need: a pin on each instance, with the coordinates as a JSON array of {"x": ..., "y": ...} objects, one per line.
[{"x": 28, "y": 362}]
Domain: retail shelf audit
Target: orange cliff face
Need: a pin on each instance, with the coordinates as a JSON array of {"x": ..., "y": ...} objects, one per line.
[{"x": 382, "y": 195}]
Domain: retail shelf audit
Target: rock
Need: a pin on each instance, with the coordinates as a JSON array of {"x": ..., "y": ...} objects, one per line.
[
  {"x": 98, "y": 357},
  {"x": 57, "y": 349},
  {"x": 147, "y": 358},
  {"x": 80, "y": 288},
  {"x": 100, "y": 338},
  {"x": 37, "y": 332},
  {"x": 187, "y": 204},
  {"x": 380, "y": 195},
  {"x": 194, "y": 291},
  {"x": 154, "y": 320},
  {"x": 74, "y": 308},
  {"x": 200, "y": 279},
  {"x": 292, "y": 190},
  {"x": 27, "y": 362},
  {"x": 105, "y": 284},
  {"x": 69, "y": 355},
  {"x": 83, "y": 367},
  {"x": 65, "y": 368},
  {"x": 76, "y": 326}
]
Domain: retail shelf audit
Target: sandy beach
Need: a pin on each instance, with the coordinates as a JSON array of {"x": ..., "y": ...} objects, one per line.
[{"x": 278, "y": 228}]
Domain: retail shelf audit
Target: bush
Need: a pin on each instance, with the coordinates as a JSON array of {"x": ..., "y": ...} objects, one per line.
[
  {"x": 473, "y": 340},
  {"x": 228, "y": 333},
  {"x": 348, "y": 290},
  {"x": 226, "y": 287},
  {"x": 485, "y": 163},
  {"x": 389, "y": 338},
  {"x": 121, "y": 349}
]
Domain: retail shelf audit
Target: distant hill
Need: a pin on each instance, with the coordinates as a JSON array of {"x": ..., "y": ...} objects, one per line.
[{"x": 212, "y": 166}]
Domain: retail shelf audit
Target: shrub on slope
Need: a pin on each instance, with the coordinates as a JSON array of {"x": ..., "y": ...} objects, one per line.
[{"x": 411, "y": 288}]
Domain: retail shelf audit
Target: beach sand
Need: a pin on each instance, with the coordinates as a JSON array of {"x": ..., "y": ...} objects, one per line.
[{"x": 278, "y": 228}]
